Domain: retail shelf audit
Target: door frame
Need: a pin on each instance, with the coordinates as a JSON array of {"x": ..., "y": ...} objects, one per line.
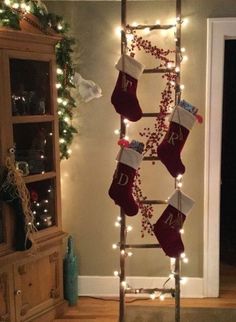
[{"x": 218, "y": 30}]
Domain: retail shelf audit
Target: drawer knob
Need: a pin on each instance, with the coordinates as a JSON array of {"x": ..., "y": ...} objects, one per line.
[{"x": 18, "y": 292}]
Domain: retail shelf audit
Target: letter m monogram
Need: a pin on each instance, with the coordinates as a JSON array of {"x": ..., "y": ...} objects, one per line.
[{"x": 172, "y": 222}]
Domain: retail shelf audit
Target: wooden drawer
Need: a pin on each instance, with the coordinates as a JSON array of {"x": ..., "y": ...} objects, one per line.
[
  {"x": 38, "y": 283},
  {"x": 6, "y": 294}
]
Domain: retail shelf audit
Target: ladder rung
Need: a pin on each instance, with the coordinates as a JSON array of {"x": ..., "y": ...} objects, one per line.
[
  {"x": 151, "y": 114},
  {"x": 150, "y": 159},
  {"x": 150, "y": 27},
  {"x": 150, "y": 291},
  {"x": 154, "y": 202},
  {"x": 142, "y": 246},
  {"x": 158, "y": 70}
]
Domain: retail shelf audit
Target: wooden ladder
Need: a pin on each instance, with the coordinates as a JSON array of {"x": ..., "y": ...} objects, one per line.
[{"x": 123, "y": 246}]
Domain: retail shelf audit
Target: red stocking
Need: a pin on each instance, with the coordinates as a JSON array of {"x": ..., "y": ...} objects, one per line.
[
  {"x": 170, "y": 148},
  {"x": 121, "y": 188},
  {"x": 124, "y": 96},
  {"x": 167, "y": 228}
]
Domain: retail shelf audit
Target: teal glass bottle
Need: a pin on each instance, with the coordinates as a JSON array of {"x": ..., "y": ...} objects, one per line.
[{"x": 70, "y": 274}]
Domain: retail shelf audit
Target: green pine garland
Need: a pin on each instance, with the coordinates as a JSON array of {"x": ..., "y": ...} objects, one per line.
[{"x": 10, "y": 16}]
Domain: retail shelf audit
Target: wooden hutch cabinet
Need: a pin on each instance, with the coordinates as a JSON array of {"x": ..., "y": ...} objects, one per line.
[{"x": 31, "y": 283}]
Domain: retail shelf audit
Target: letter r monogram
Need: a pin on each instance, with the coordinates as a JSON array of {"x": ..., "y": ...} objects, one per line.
[{"x": 173, "y": 137}]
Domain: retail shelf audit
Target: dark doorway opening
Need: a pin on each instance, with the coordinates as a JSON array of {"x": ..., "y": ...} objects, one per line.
[{"x": 228, "y": 173}]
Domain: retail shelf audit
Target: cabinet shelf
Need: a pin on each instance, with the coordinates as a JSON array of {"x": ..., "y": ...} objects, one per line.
[
  {"x": 40, "y": 177},
  {"x": 32, "y": 119}
]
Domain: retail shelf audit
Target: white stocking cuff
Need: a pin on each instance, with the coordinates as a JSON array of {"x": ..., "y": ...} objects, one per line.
[
  {"x": 130, "y": 66},
  {"x": 183, "y": 117},
  {"x": 181, "y": 201},
  {"x": 129, "y": 157}
]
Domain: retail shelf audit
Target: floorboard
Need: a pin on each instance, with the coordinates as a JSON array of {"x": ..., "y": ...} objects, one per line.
[{"x": 90, "y": 309}]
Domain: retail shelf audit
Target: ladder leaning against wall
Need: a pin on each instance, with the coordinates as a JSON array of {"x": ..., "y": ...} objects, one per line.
[{"x": 123, "y": 229}]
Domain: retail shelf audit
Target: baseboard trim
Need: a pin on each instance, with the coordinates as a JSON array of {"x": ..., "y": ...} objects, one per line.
[{"x": 103, "y": 286}]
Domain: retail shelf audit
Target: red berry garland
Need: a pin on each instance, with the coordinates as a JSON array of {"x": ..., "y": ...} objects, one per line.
[{"x": 153, "y": 136}]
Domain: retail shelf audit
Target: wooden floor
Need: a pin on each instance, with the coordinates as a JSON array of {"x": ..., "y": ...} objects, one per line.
[{"x": 106, "y": 310}]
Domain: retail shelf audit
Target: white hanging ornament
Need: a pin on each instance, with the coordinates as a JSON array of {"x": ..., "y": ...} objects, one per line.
[
  {"x": 87, "y": 89},
  {"x": 42, "y": 6}
]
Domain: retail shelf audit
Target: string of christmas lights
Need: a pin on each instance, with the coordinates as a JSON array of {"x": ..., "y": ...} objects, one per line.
[{"x": 153, "y": 137}]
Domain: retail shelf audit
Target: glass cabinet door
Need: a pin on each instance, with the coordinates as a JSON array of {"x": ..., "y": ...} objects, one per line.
[
  {"x": 34, "y": 147},
  {"x": 33, "y": 135},
  {"x": 30, "y": 87}
]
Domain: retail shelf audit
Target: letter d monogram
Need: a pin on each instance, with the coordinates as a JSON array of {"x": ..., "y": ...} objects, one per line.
[{"x": 123, "y": 180}]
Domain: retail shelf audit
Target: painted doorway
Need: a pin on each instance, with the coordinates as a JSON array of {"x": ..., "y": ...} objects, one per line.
[
  {"x": 218, "y": 31},
  {"x": 228, "y": 173}
]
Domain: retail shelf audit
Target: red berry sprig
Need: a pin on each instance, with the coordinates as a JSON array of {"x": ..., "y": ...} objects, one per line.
[{"x": 140, "y": 43}]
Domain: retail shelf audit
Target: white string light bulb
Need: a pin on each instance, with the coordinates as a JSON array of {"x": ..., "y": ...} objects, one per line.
[
  {"x": 118, "y": 30},
  {"x": 169, "y": 64},
  {"x": 146, "y": 30},
  {"x": 183, "y": 280},
  {"x": 129, "y": 228},
  {"x": 185, "y": 22},
  {"x": 182, "y": 255},
  {"x": 59, "y": 71},
  {"x": 59, "y": 27},
  {"x": 15, "y": 5},
  {"x": 66, "y": 119},
  {"x": 177, "y": 69},
  {"x": 129, "y": 37},
  {"x": 123, "y": 284}
]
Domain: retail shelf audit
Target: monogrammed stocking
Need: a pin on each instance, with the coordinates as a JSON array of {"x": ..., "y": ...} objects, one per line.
[
  {"x": 171, "y": 146},
  {"x": 124, "y": 96},
  {"x": 122, "y": 184},
  {"x": 167, "y": 228}
]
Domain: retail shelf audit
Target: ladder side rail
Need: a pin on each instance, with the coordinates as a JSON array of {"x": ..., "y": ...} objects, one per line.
[
  {"x": 177, "y": 100},
  {"x": 123, "y": 231}
]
